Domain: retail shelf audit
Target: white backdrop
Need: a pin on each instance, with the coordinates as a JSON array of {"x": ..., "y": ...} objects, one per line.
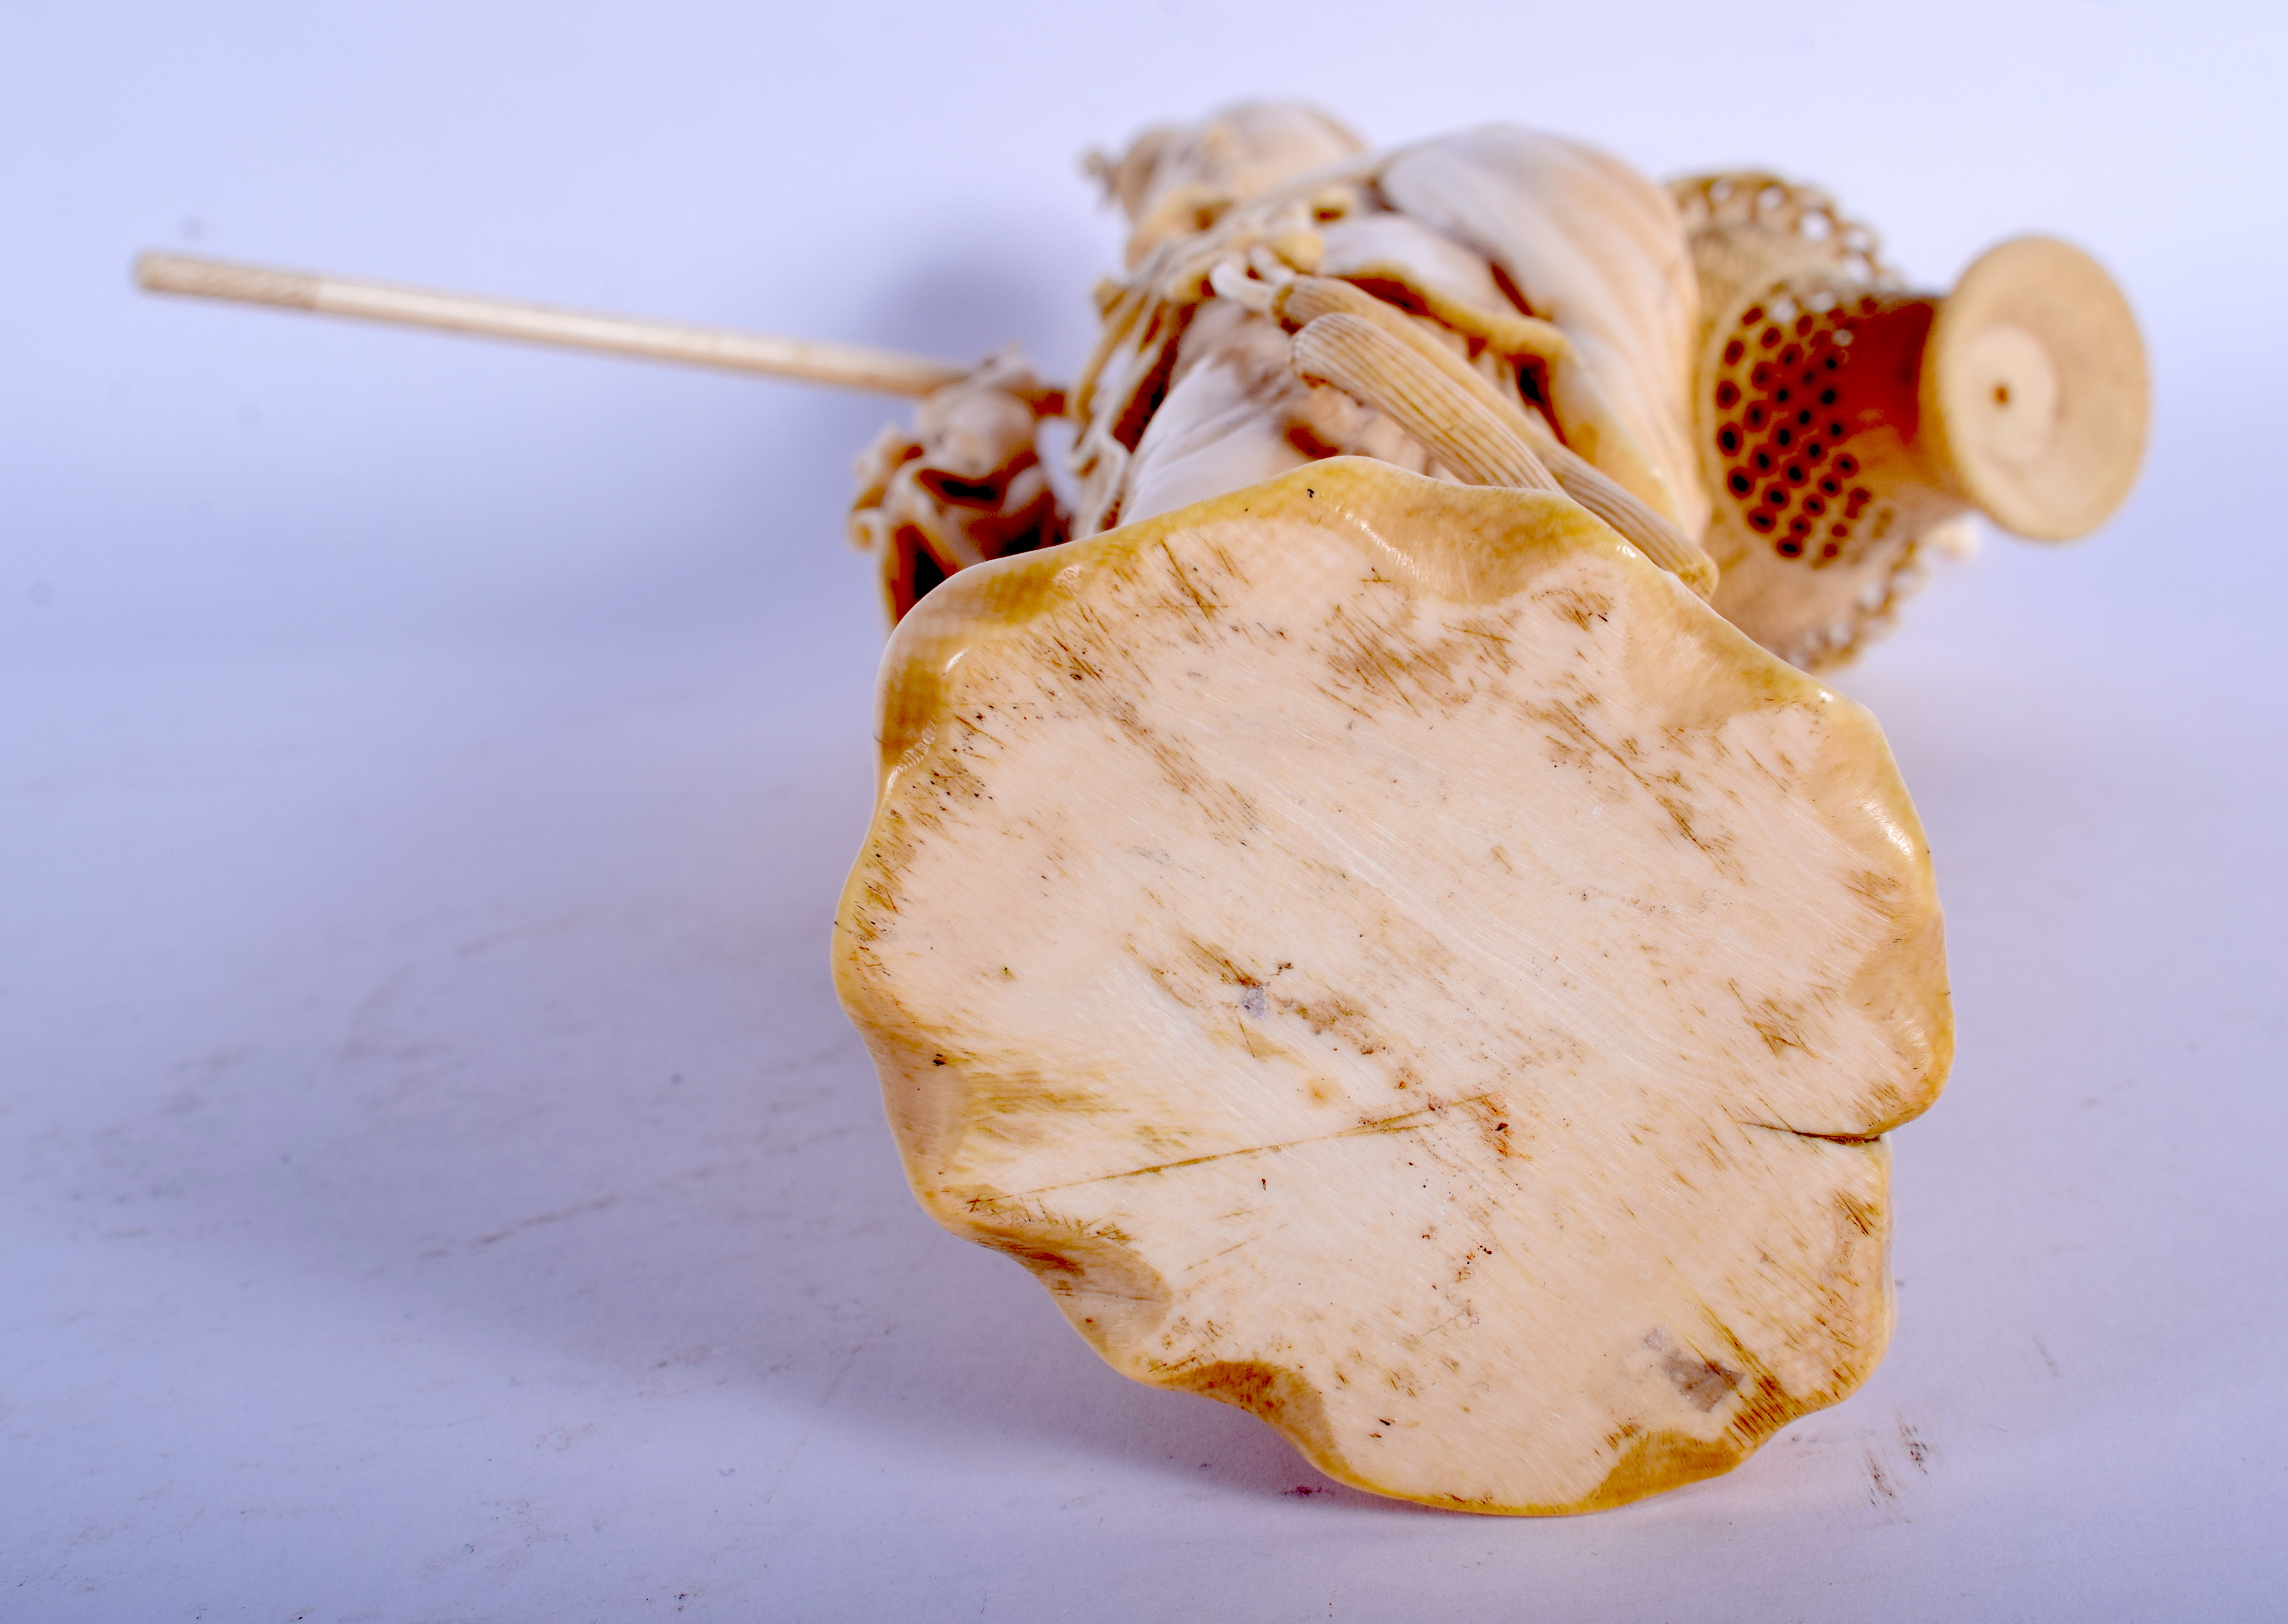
[{"x": 438, "y": 1181}]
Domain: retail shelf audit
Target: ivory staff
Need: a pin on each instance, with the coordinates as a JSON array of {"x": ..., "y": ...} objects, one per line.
[{"x": 849, "y": 366}]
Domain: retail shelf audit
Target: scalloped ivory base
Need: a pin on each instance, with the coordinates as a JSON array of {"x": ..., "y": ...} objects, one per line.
[{"x": 1385, "y": 955}]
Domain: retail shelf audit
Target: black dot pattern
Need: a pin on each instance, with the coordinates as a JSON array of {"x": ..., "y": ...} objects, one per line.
[{"x": 1786, "y": 415}]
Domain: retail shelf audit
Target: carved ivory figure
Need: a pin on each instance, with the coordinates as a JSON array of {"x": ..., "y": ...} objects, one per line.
[
  {"x": 1365, "y": 901},
  {"x": 1361, "y": 905},
  {"x": 1729, "y": 350}
]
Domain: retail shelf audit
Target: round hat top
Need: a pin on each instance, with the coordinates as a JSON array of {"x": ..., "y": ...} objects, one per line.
[{"x": 2035, "y": 380}]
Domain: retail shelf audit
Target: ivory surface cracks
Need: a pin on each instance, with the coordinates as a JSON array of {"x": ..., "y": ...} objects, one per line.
[{"x": 1384, "y": 954}]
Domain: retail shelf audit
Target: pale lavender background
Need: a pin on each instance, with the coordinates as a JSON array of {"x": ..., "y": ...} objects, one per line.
[{"x": 437, "y": 1184}]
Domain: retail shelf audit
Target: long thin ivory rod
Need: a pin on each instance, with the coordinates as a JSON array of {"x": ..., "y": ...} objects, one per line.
[{"x": 849, "y": 365}]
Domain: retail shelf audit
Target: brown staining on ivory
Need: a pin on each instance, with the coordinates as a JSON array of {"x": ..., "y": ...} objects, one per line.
[{"x": 1373, "y": 930}]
